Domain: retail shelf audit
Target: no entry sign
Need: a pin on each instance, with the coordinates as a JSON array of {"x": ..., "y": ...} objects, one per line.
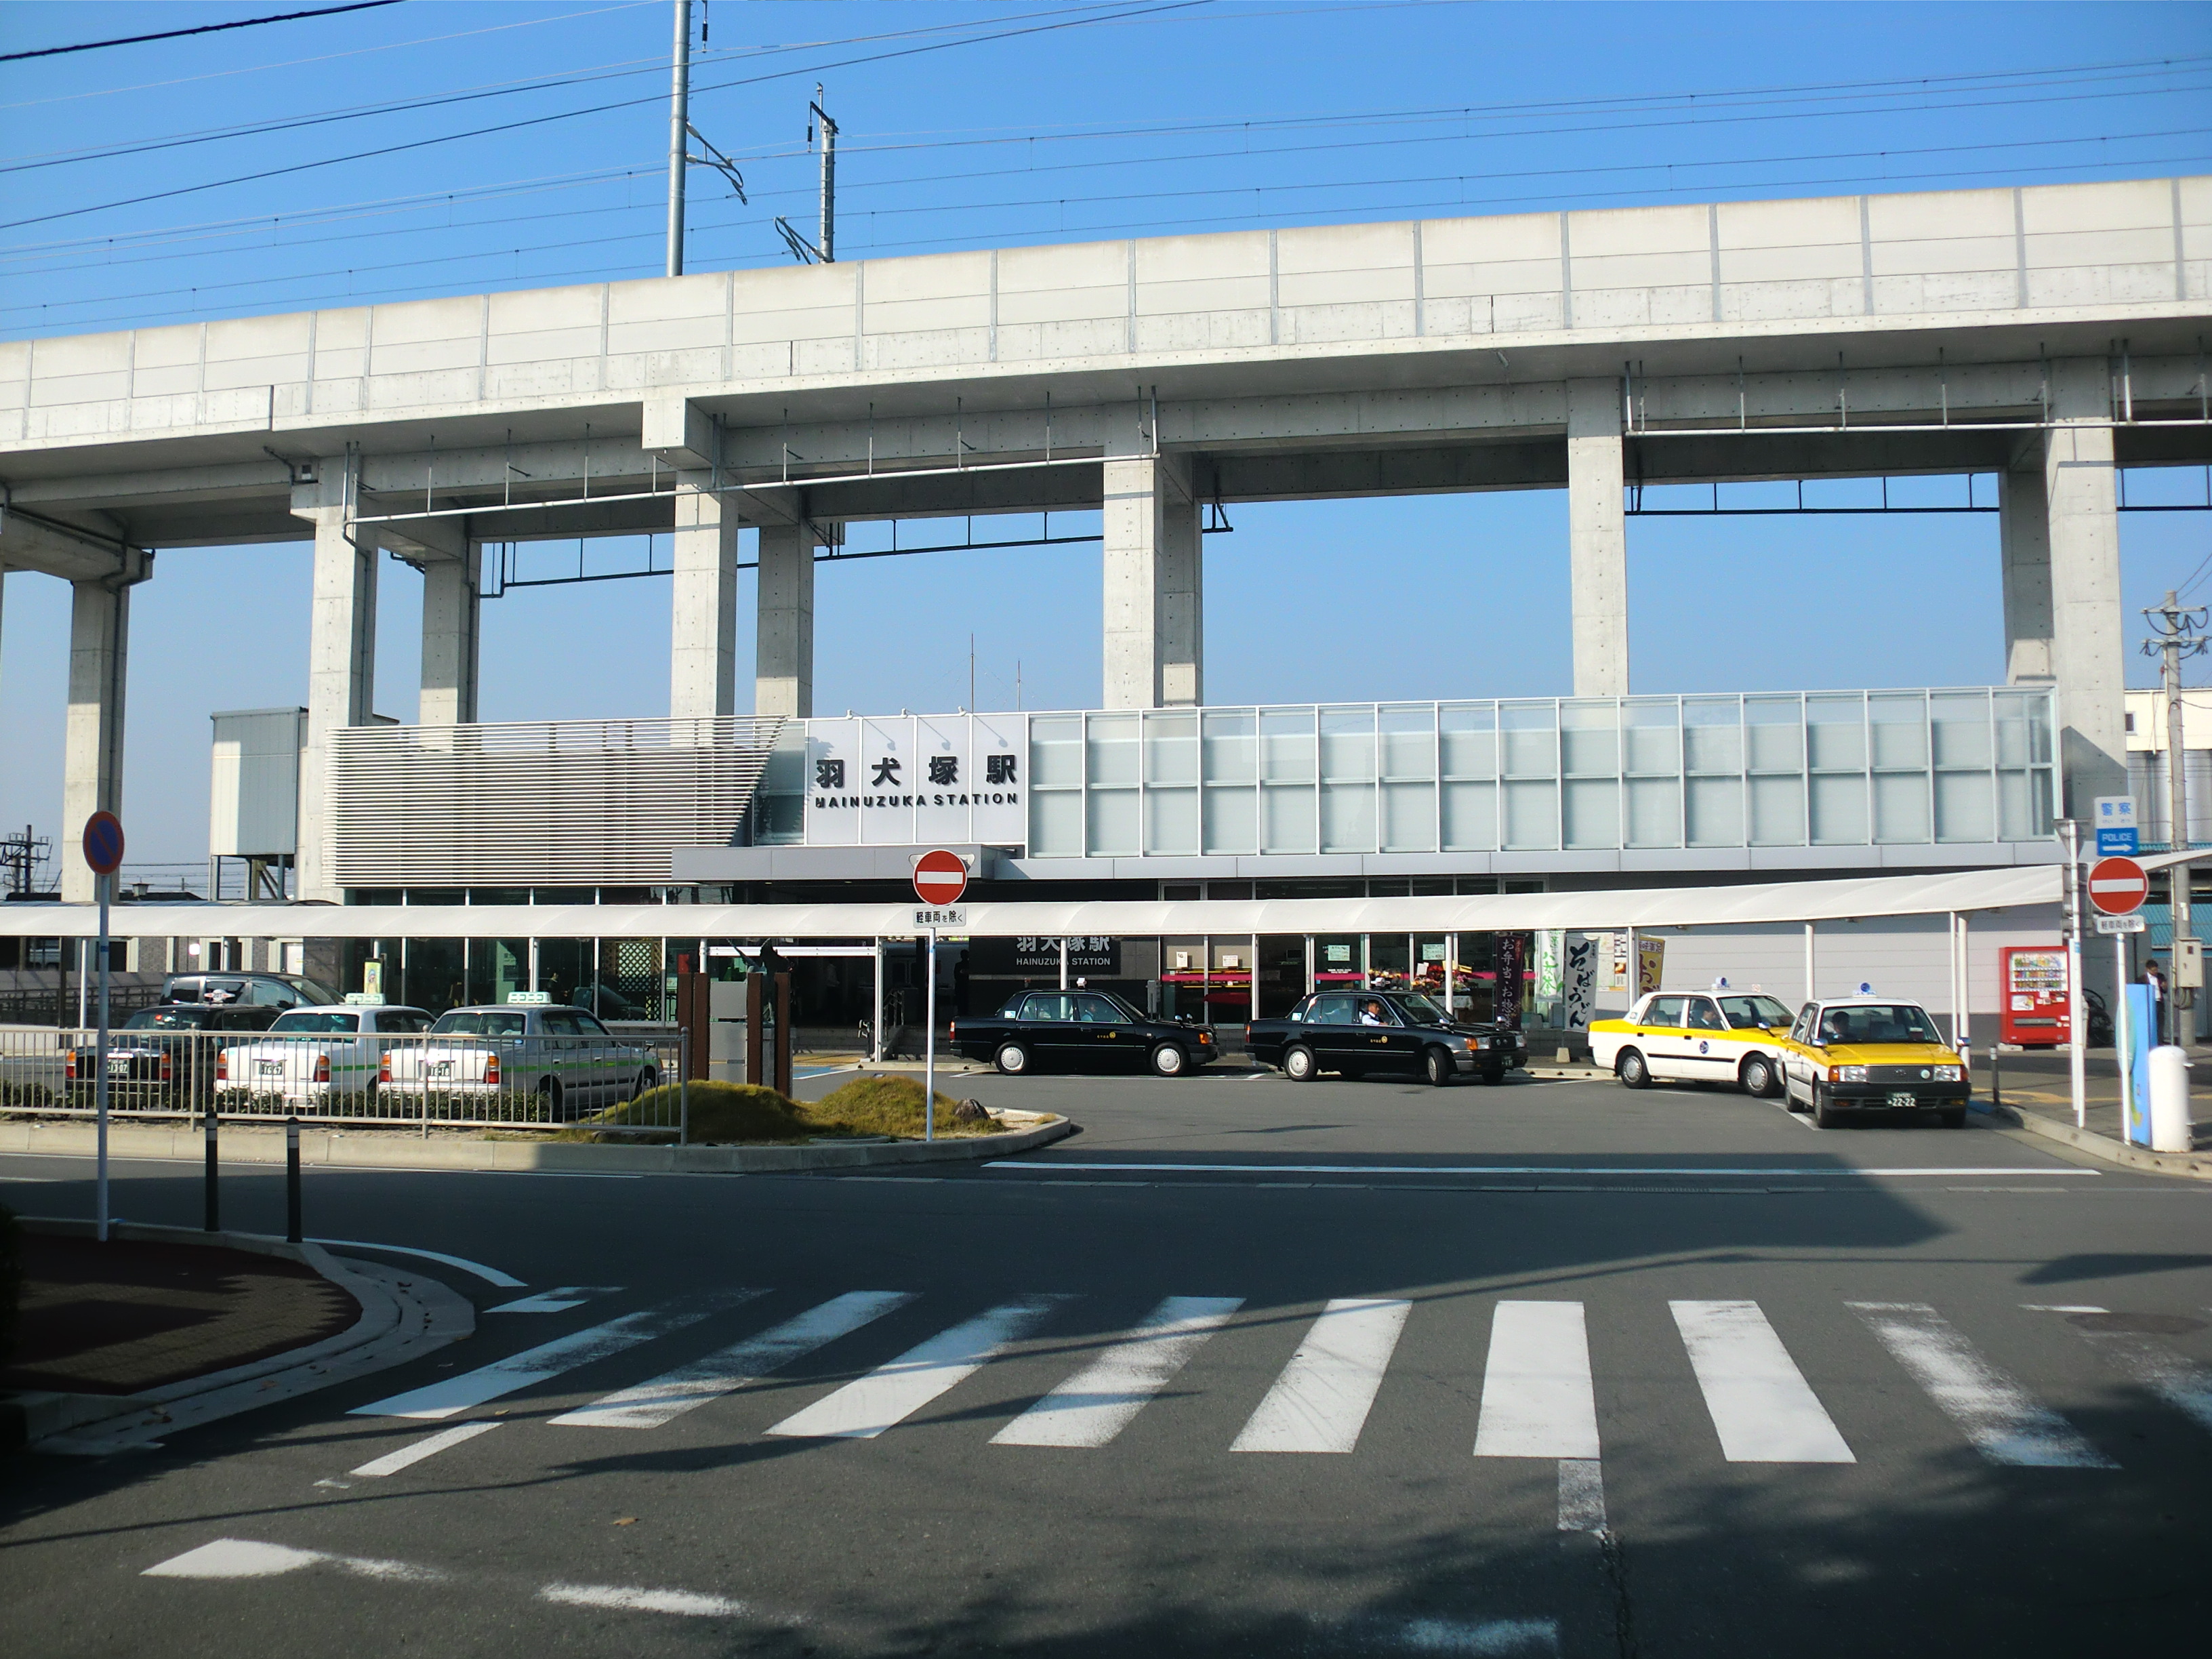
[
  {"x": 103, "y": 842},
  {"x": 2117, "y": 886},
  {"x": 939, "y": 877}
]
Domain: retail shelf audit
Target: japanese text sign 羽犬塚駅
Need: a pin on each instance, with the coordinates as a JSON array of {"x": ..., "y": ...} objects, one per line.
[{"x": 914, "y": 779}]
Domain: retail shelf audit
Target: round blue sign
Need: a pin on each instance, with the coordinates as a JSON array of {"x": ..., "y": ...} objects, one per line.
[{"x": 103, "y": 842}]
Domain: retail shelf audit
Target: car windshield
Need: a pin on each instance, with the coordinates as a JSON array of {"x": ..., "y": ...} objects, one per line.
[
  {"x": 315, "y": 1021},
  {"x": 1745, "y": 1012},
  {"x": 478, "y": 1022},
  {"x": 1423, "y": 1011},
  {"x": 310, "y": 991},
  {"x": 166, "y": 1019},
  {"x": 1877, "y": 1022}
]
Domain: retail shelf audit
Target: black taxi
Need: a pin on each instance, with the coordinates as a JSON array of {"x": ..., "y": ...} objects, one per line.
[{"x": 1079, "y": 1031}]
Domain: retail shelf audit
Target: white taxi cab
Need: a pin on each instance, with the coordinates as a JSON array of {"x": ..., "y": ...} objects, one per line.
[
  {"x": 1695, "y": 1036},
  {"x": 1870, "y": 1054}
]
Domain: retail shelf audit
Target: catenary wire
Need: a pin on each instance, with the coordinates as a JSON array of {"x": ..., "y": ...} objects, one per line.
[{"x": 203, "y": 28}]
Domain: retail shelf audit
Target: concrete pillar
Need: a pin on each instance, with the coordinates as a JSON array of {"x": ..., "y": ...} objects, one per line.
[
  {"x": 340, "y": 657},
  {"x": 452, "y": 628},
  {"x": 703, "y": 646},
  {"x": 1597, "y": 538},
  {"x": 783, "y": 640},
  {"x": 92, "y": 754},
  {"x": 2024, "y": 529},
  {"x": 1154, "y": 624},
  {"x": 2087, "y": 639}
]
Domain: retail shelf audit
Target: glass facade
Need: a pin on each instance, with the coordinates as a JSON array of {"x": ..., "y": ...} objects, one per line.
[{"x": 1816, "y": 768}]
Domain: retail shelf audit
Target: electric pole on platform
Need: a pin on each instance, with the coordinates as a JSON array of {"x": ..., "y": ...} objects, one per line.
[
  {"x": 823, "y": 251},
  {"x": 681, "y": 133},
  {"x": 2177, "y": 632}
]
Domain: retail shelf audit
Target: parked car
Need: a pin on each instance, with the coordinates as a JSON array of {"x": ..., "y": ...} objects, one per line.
[
  {"x": 1864, "y": 1054},
  {"x": 1355, "y": 1032},
  {"x": 1079, "y": 1031},
  {"x": 162, "y": 1056},
  {"x": 561, "y": 1059},
  {"x": 1674, "y": 1037},
  {"x": 312, "y": 1054},
  {"x": 257, "y": 990}
]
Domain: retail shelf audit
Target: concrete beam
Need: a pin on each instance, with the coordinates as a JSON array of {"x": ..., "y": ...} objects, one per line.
[
  {"x": 783, "y": 677},
  {"x": 33, "y": 541},
  {"x": 92, "y": 753},
  {"x": 680, "y": 431},
  {"x": 341, "y": 659},
  {"x": 1597, "y": 538},
  {"x": 702, "y": 650},
  {"x": 2088, "y": 641},
  {"x": 451, "y": 634},
  {"x": 1155, "y": 625},
  {"x": 2024, "y": 535}
]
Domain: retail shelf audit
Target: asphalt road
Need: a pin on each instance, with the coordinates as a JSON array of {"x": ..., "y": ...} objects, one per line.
[{"x": 1545, "y": 1369}]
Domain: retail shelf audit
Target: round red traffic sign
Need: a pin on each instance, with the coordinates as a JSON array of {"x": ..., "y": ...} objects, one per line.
[
  {"x": 939, "y": 877},
  {"x": 2117, "y": 886},
  {"x": 103, "y": 843}
]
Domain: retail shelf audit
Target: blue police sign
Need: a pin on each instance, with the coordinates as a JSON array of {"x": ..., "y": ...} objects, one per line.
[{"x": 2115, "y": 823}]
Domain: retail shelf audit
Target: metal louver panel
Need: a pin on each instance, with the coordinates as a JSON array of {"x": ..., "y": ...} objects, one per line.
[{"x": 571, "y": 803}]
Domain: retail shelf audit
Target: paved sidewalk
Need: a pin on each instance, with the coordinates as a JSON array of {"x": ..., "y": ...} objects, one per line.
[
  {"x": 125, "y": 1316},
  {"x": 2039, "y": 1084}
]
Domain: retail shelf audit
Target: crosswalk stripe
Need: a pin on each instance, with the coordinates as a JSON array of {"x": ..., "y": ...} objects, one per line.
[
  {"x": 549, "y": 1360},
  {"x": 415, "y": 1451},
  {"x": 1105, "y": 1397},
  {"x": 1761, "y": 1405},
  {"x": 1537, "y": 1401},
  {"x": 2006, "y": 1424},
  {"x": 2149, "y": 1363},
  {"x": 649, "y": 1405},
  {"x": 866, "y": 1407},
  {"x": 1321, "y": 1401}
]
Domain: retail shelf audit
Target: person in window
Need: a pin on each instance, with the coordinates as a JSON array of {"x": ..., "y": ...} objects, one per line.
[
  {"x": 1702, "y": 1016},
  {"x": 1370, "y": 1012}
]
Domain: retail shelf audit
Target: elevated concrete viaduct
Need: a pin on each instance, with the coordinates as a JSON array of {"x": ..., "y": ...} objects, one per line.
[{"x": 2049, "y": 334}]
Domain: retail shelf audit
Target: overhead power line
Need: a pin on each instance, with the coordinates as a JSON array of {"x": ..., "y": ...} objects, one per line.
[{"x": 204, "y": 28}]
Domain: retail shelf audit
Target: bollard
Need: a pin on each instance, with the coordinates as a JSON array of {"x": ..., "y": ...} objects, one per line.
[
  {"x": 293, "y": 1231},
  {"x": 2169, "y": 1100},
  {"x": 212, "y": 1221}
]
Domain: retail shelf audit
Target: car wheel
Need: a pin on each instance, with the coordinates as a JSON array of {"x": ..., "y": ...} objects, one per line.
[
  {"x": 1824, "y": 1116},
  {"x": 549, "y": 1094},
  {"x": 1632, "y": 1070},
  {"x": 647, "y": 1078},
  {"x": 1013, "y": 1058},
  {"x": 1170, "y": 1061},
  {"x": 1299, "y": 1065},
  {"x": 1438, "y": 1065},
  {"x": 1956, "y": 1118},
  {"x": 1758, "y": 1076}
]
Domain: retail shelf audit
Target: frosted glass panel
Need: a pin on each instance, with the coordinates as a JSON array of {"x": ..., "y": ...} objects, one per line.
[
  {"x": 1470, "y": 817},
  {"x": 1716, "y": 812},
  {"x": 1286, "y": 745},
  {"x": 1466, "y": 740},
  {"x": 1774, "y": 734},
  {"x": 1113, "y": 744},
  {"x": 1712, "y": 736},
  {"x": 1652, "y": 740},
  {"x": 1835, "y": 732},
  {"x": 1113, "y": 823},
  {"x": 1901, "y": 807},
  {"x": 1960, "y": 725},
  {"x": 1839, "y": 810},
  {"x": 1593, "y": 811},
  {"x": 1777, "y": 812},
  {"x": 1055, "y": 750},
  {"x": 1347, "y": 743},
  {"x": 1654, "y": 812},
  {"x": 1232, "y": 754},
  {"x": 1409, "y": 742},
  {"x": 1171, "y": 748},
  {"x": 1171, "y": 821},
  {"x": 2021, "y": 798},
  {"x": 1966, "y": 806},
  {"x": 1532, "y": 816},
  {"x": 1289, "y": 820},
  {"x": 1899, "y": 726},
  {"x": 1532, "y": 745},
  {"x": 1232, "y": 820},
  {"x": 1056, "y": 823},
  {"x": 1347, "y": 818},
  {"x": 1590, "y": 742},
  {"x": 1409, "y": 818}
]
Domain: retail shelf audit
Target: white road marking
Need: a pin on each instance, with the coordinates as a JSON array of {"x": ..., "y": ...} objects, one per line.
[
  {"x": 1105, "y": 1397},
  {"x": 864, "y": 1408},
  {"x": 1581, "y": 1495},
  {"x": 1489, "y": 1638},
  {"x": 1048, "y": 1164},
  {"x": 2149, "y": 1363},
  {"x": 1761, "y": 1405},
  {"x": 1537, "y": 1401},
  {"x": 685, "y": 1603},
  {"x": 242, "y": 1557},
  {"x": 1320, "y": 1402},
  {"x": 392, "y": 1463},
  {"x": 548, "y": 1359},
  {"x": 665, "y": 1397},
  {"x": 2006, "y": 1424},
  {"x": 489, "y": 1275},
  {"x": 2061, "y": 1307},
  {"x": 559, "y": 1300}
]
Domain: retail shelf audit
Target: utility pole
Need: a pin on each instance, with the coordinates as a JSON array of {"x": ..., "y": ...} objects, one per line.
[
  {"x": 2175, "y": 635},
  {"x": 823, "y": 251},
  {"x": 681, "y": 132}
]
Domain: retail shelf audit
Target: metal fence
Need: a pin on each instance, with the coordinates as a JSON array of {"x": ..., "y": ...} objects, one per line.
[{"x": 622, "y": 1085}]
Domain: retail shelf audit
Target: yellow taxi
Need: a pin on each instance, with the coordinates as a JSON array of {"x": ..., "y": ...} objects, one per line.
[
  {"x": 1847, "y": 1055},
  {"x": 1675, "y": 1036}
]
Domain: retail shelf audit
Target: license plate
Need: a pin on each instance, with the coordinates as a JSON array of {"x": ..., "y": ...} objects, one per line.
[
  {"x": 442, "y": 1068},
  {"x": 1903, "y": 1098},
  {"x": 269, "y": 1068},
  {"x": 119, "y": 1066}
]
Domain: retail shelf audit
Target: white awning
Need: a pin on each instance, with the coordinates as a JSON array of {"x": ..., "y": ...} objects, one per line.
[{"x": 1738, "y": 905}]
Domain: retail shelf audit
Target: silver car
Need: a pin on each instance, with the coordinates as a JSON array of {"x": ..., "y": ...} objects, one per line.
[{"x": 560, "y": 1058}]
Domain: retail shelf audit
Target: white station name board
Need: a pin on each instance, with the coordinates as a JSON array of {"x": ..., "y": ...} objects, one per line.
[{"x": 918, "y": 780}]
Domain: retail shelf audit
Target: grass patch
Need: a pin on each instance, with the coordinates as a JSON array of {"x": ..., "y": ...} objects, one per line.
[
  {"x": 888, "y": 1105},
  {"x": 744, "y": 1114}
]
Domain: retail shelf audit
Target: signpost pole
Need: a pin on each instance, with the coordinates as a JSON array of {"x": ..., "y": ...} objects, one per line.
[
  {"x": 2123, "y": 1039},
  {"x": 2076, "y": 1014},
  {"x": 99, "y": 1055},
  {"x": 929, "y": 1047}
]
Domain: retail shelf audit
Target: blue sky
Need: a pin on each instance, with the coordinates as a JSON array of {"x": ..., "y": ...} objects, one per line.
[{"x": 1083, "y": 123}]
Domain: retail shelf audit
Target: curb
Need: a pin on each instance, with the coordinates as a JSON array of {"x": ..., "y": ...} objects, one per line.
[
  {"x": 2195, "y": 1165},
  {"x": 388, "y": 1150},
  {"x": 403, "y": 1316}
]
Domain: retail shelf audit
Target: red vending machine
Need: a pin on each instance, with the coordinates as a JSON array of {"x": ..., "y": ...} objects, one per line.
[{"x": 2034, "y": 1014}]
